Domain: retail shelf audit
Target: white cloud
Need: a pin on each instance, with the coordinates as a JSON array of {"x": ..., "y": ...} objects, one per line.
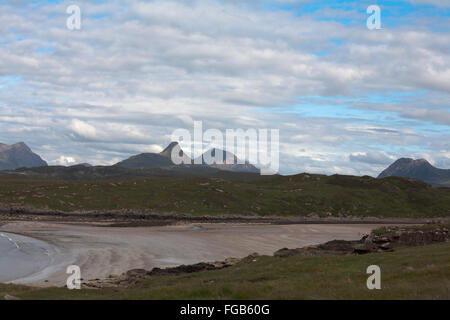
[
  {"x": 83, "y": 129},
  {"x": 122, "y": 84},
  {"x": 377, "y": 158},
  {"x": 64, "y": 161}
]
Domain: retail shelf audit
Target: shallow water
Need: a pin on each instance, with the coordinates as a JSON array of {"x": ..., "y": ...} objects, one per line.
[{"x": 21, "y": 256}]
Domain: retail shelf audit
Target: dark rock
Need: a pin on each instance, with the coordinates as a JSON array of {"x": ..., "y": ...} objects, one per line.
[
  {"x": 370, "y": 243},
  {"x": 184, "y": 269},
  {"x": 363, "y": 248},
  {"x": 139, "y": 273}
]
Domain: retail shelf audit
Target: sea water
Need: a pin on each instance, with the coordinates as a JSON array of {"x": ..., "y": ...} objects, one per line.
[{"x": 22, "y": 257}]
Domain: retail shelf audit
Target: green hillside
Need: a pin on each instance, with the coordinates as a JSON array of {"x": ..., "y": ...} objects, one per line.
[{"x": 299, "y": 195}]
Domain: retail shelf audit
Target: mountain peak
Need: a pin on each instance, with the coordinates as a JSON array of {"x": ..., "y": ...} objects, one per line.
[
  {"x": 21, "y": 145},
  {"x": 234, "y": 165},
  {"x": 154, "y": 160},
  {"x": 421, "y": 161},
  {"x": 404, "y": 163},
  {"x": 419, "y": 169},
  {"x": 18, "y": 155},
  {"x": 167, "y": 152},
  {"x": 411, "y": 160}
]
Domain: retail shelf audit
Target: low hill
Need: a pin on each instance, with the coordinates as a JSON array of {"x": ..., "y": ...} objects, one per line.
[
  {"x": 418, "y": 169},
  {"x": 299, "y": 195},
  {"x": 83, "y": 172}
]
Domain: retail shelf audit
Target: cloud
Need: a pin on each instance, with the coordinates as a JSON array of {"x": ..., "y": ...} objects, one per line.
[
  {"x": 372, "y": 158},
  {"x": 64, "y": 161},
  {"x": 83, "y": 130},
  {"x": 438, "y": 3},
  {"x": 123, "y": 83}
]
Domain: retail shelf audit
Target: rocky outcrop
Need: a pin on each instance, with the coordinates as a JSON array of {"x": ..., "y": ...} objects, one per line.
[
  {"x": 386, "y": 240},
  {"x": 335, "y": 247},
  {"x": 136, "y": 275},
  {"x": 412, "y": 237}
]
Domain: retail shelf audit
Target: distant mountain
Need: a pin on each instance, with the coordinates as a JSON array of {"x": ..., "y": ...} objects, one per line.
[
  {"x": 18, "y": 155},
  {"x": 235, "y": 165},
  {"x": 79, "y": 172},
  {"x": 154, "y": 160},
  {"x": 147, "y": 165},
  {"x": 418, "y": 169},
  {"x": 82, "y": 165},
  {"x": 163, "y": 159},
  {"x": 147, "y": 160}
]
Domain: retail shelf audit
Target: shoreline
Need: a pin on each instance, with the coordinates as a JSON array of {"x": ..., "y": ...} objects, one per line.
[
  {"x": 130, "y": 218},
  {"x": 28, "y": 259},
  {"x": 101, "y": 251}
]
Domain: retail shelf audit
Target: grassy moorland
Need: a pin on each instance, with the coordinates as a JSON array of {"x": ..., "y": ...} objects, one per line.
[
  {"x": 298, "y": 195},
  {"x": 406, "y": 273}
]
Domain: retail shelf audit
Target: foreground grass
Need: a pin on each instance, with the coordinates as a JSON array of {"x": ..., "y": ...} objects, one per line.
[
  {"x": 299, "y": 195},
  {"x": 407, "y": 273}
]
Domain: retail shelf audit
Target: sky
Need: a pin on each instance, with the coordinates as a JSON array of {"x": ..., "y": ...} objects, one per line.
[{"x": 344, "y": 98}]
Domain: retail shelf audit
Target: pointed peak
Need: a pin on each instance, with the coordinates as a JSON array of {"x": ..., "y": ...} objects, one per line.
[
  {"x": 20, "y": 145},
  {"x": 167, "y": 152},
  {"x": 170, "y": 147}
]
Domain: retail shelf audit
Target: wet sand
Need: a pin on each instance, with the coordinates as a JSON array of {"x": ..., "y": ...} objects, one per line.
[
  {"x": 26, "y": 258},
  {"x": 102, "y": 251}
]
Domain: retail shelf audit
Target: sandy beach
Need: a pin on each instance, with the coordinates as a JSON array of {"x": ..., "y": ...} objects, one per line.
[{"x": 102, "y": 251}]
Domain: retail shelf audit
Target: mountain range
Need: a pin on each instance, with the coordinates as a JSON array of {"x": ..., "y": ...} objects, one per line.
[
  {"x": 164, "y": 159},
  {"x": 142, "y": 165},
  {"x": 418, "y": 169},
  {"x": 23, "y": 161},
  {"x": 18, "y": 155}
]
